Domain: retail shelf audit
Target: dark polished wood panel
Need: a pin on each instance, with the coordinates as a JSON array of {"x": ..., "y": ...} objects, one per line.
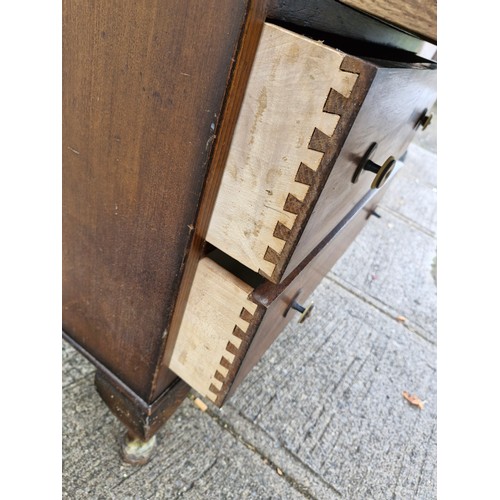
[
  {"x": 391, "y": 109},
  {"x": 143, "y": 89}
]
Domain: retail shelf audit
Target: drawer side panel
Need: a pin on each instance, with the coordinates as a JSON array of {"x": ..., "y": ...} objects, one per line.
[
  {"x": 214, "y": 327},
  {"x": 291, "y": 115}
]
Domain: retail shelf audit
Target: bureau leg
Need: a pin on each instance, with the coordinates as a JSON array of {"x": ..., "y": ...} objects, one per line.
[
  {"x": 141, "y": 419},
  {"x": 134, "y": 451}
]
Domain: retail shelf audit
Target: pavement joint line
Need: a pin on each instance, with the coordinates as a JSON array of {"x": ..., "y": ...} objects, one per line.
[
  {"x": 76, "y": 383},
  {"x": 410, "y": 222},
  {"x": 128, "y": 476},
  {"x": 285, "y": 450},
  {"x": 191, "y": 485},
  {"x": 417, "y": 330},
  {"x": 265, "y": 459}
]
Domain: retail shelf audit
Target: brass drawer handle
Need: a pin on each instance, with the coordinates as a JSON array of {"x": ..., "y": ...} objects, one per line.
[
  {"x": 424, "y": 120},
  {"x": 382, "y": 172},
  {"x": 305, "y": 312}
]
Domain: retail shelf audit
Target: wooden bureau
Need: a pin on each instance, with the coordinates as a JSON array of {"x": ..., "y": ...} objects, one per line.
[{"x": 218, "y": 158}]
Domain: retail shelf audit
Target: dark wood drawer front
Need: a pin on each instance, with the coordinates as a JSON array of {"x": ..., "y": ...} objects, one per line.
[
  {"x": 310, "y": 113},
  {"x": 388, "y": 117}
]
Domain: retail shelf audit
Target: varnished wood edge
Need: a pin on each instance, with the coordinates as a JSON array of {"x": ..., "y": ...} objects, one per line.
[
  {"x": 253, "y": 320},
  {"x": 238, "y": 79},
  {"x": 347, "y": 108},
  {"x": 142, "y": 419}
]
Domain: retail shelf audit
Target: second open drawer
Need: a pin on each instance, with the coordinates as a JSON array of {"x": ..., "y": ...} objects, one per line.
[{"x": 233, "y": 315}]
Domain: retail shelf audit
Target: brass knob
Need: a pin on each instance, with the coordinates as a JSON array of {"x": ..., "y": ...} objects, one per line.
[
  {"x": 305, "y": 312},
  {"x": 425, "y": 119},
  {"x": 382, "y": 172}
]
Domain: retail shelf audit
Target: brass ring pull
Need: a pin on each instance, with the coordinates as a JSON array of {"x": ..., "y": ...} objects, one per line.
[
  {"x": 305, "y": 312},
  {"x": 382, "y": 172}
]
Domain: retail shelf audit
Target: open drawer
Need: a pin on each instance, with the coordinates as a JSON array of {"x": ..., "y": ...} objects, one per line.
[
  {"x": 309, "y": 116},
  {"x": 233, "y": 315}
]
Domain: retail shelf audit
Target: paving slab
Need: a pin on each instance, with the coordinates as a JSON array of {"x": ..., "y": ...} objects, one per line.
[
  {"x": 197, "y": 457},
  {"x": 74, "y": 369},
  {"x": 330, "y": 393},
  {"x": 422, "y": 164},
  {"x": 428, "y": 138},
  {"x": 410, "y": 197},
  {"x": 393, "y": 263}
]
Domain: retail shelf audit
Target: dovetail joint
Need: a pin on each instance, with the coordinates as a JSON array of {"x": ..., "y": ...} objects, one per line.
[
  {"x": 227, "y": 365},
  {"x": 335, "y": 103}
]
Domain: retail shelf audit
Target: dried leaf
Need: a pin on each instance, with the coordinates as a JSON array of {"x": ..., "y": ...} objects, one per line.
[
  {"x": 414, "y": 400},
  {"x": 401, "y": 319},
  {"x": 200, "y": 404}
]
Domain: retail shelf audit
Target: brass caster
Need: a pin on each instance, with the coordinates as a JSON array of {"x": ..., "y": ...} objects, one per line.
[{"x": 137, "y": 452}]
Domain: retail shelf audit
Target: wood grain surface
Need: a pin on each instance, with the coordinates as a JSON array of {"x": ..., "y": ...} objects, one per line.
[
  {"x": 415, "y": 16},
  {"x": 228, "y": 324},
  {"x": 271, "y": 159},
  {"x": 143, "y": 89},
  {"x": 287, "y": 181},
  {"x": 214, "y": 326}
]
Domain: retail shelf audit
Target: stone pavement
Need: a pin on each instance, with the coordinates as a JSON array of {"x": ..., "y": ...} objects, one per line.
[{"x": 322, "y": 414}]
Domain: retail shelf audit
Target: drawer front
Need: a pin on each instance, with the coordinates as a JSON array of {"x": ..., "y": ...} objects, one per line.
[
  {"x": 388, "y": 117},
  {"x": 302, "y": 100},
  {"x": 229, "y": 324}
]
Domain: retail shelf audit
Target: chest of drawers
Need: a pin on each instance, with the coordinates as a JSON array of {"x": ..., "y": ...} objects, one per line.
[{"x": 212, "y": 174}]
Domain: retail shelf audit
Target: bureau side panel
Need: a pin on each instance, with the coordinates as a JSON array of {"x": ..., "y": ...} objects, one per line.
[{"x": 143, "y": 88}]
